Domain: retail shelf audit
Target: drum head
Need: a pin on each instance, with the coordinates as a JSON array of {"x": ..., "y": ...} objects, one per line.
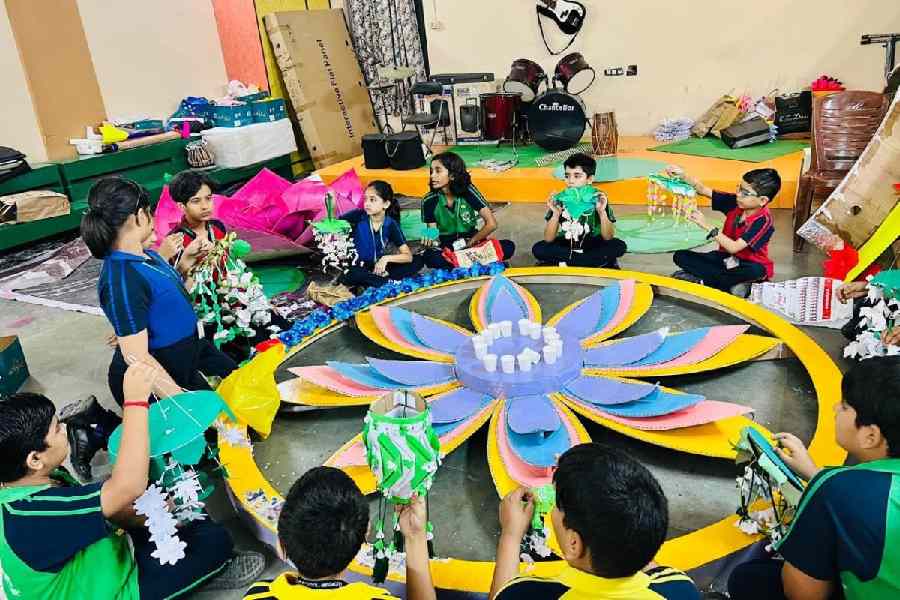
[
  {"x": 518, "y": 87},
  {"x": 581, "y": 81},
  {"x": 557, "y": 120}
]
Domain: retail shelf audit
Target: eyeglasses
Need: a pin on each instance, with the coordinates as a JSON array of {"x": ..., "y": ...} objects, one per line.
[{"x": 742, "y": 191}]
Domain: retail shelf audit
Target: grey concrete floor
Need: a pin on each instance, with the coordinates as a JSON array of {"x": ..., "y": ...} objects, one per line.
[{"x": 68, "y": 358}]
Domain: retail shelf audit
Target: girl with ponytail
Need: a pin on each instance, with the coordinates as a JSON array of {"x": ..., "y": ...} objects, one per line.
[{"x": 144, "y": 298}]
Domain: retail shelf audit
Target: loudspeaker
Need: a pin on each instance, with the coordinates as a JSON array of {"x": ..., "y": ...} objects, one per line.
[
  {"x": 470, "y": 118},
  {"x": 375, "y": 151}
]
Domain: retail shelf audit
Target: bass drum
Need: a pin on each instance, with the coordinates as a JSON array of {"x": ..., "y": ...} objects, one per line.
[{"x": 557, "y": 120}]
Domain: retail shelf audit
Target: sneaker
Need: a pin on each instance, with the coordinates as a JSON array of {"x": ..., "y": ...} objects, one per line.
[
  {"x": 239, "y": 573},
  {"x": 81, "y": 450},
  {"x": 685, "y": 276},
  {"x": 741, "y": 290}
]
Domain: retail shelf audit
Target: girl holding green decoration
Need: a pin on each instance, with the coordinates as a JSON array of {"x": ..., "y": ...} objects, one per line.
[{"x": 382, "y": 251}]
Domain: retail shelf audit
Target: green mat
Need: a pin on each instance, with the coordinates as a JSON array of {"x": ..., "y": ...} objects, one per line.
[
  {"x": 618, "y": 169},
  {"x": 473, "y": 154},
  {"x": 661, "y": 234},
  {"x": 276, "y": 279},
  {"x": 713, "y": 147}
]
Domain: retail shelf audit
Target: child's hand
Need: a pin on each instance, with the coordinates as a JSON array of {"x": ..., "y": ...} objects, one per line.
[
  {"x": 516, "y": 511},
  {"x": 138, "y": 381},
  {"x": 554, "y": 206},
  {"x": 795, "y": 455},
  {"x": 112, "y": 339},
  {"x": 892, "y": 337},
  {"x": 854, "y": 289},
  {"x": 675, "y": 172},
  {"x": 698, "y": 219},
  {"x": 171, "y": 245},
  {"x": 602, "y": 201},
  {"x": 413, "y": 517},
  {"x": 380, "y": 267}
]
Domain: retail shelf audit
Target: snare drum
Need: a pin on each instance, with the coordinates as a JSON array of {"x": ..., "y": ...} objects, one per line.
[
  {"x": 574, "y": 74},
  {"x": 525, "y": 78},
  {"x": 498, "y": 115}
]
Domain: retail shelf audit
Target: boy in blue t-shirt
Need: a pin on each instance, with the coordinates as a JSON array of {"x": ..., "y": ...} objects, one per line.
[{"x": 845, "y": 533}]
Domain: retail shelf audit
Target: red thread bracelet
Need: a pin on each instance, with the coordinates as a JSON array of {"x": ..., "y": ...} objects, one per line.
[{"x": 140, "y": 403}]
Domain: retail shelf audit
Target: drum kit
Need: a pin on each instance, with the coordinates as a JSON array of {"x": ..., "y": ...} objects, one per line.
[{"x": 554, "y": 119}]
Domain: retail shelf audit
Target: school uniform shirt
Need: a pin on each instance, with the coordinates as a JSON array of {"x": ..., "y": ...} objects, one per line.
[
  {"x": 573, "y": 584},
  {"x": 56, "y": 543},
  {"x": 848, "y": 526},
  {"x": 145, "y": 292},
  {"x": 587, "y": 213},
  {"x": 459, "y": 222},
  {"x": 371, "y": 244},
  {"x": 289, "y": 586},
  {"x": 755, "y": 229},
  {"x": 215, "y": 230}
]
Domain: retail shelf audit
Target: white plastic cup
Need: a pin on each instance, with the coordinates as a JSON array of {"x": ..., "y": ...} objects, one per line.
[
  {"x": 506, "y": 328},
  {"x": 558, "y": 344},
  {"x": 524, "y": 326},
  {"x": 481, "y": 351},
  {"x": 496, "y": 333},
  {"x": 490, "y": 362},
  {"x": 533, "y": 356},
  {"x": 535, "y": 331},
  {"x": 508, "y": 363},
  {"x": 487, "y": 336},
  {"x": 524, "y": 362},
  {"x": 549, "y": 331},
  {"x": 551, "y": 354}
]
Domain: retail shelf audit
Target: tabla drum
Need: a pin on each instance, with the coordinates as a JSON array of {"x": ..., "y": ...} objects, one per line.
[
  {"x": 498, "y": 115},
  {"x": 557, "y": 120},
  {"x": 605, "y": 134},
  {"x": 524, "y": 78},
  {"x": 574, "y": 74}
]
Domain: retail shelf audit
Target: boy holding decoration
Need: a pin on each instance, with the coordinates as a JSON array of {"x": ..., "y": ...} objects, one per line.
[
  {"x": 743, "y": 254},
  {"x": 610, "y": 520},
  {"x": 321, "y": 529},
  {"x": 845, "y": 530},
  {"x": 62, "y": 540},
  {"x": 580, "y": 229}
]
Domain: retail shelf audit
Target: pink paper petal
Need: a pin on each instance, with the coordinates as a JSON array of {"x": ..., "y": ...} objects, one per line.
[
  {"x": 330, "y": 379},
  {"x": 354, "y": 456},
  {"x": 168, "y": 214},
  {"x": 707, "y": 411},
  {"x": 713, "y": 343},
  {"x": 626, "y": 299},
  {"x": 518, "y": 469}
]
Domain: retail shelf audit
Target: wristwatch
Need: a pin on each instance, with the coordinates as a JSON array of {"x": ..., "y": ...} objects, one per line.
[{"x": 712, "y": 233}]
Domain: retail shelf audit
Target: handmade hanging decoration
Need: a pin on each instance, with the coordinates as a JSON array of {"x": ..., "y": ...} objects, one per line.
[
  {"x": 228, "y": 295},
  {"x": 535, "y": 541},
  {"x": 577, "y": 206},
  {"x": 176, "y": 426},
  {"x": 879, "y": 314},
  {"x": 769, "y": 490},
  {"x": 662, "y": 189},
  {"x": 403, "y": 453},
  {"x": 334, "y": 239}
]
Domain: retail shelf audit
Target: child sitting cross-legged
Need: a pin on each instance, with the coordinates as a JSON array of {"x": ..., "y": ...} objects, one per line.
[
  {"x": 580, "y": 229},
  {"x": 321, "y": 528},
  {"x": 743, "y": 254},
  {"x": 610, "y": 520}
]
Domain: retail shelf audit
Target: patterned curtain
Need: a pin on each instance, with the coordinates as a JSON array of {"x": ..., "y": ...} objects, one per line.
[{"x": 386, "y": 34}]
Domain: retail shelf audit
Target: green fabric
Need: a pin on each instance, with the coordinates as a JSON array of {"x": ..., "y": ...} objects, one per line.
[
  {"x": 462, "y": 219},
  {"x": 580, "y": 203},
  {"x": 276, "y": 279},
  {"x": 105, "y": 569},
  {"x": 887, "y": 582},
  {"x": 713, "y": 147},
  {"x": 472, "y": 155},
  {"x": 411, "y": 224},
  {"x": 661, "y": 234}
]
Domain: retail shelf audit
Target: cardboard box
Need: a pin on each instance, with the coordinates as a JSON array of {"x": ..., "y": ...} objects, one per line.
[
  {"x": 13, "y": 369},
  {"x": 324, "y": 82},
  {"x": 866, "y": 196}
]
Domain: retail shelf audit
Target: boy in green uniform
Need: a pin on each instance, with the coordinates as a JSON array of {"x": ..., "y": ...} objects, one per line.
[
  {"x": 845, "y": 534},
  {"x": 580, "y": 229},
  {"x": 67, "y": 541}
]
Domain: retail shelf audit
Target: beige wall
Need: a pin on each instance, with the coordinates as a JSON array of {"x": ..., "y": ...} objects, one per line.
[
  {"x": 19, "y": 122},
  {"x": 687, "y": 53},
  {"x": 150, "y": 54}
]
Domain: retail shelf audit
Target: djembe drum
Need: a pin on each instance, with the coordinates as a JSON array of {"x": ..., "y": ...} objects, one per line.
[{"x": 605, "y": 134}]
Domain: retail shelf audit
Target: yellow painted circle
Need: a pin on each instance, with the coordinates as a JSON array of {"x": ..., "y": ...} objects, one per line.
[{"x": 685, "y": 552}]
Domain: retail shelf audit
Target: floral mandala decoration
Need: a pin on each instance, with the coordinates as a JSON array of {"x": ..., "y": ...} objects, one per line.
[{"x": 532, "y": 415}]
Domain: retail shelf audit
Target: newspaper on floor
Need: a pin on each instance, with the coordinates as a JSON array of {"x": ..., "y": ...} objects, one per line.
[{"x": 806, "y": 301}]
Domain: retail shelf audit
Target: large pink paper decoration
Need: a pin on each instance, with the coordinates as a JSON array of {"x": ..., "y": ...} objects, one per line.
[
  {"x": 258, "y": 204},
  {"x": 168, "y": 214},
  {"x": 307, "y": 197}
]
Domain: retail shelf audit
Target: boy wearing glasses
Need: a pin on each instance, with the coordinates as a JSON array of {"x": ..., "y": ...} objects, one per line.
[{"x": 743, "y": 254}]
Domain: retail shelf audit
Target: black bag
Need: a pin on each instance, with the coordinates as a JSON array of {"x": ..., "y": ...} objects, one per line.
[
  {"x": 374, "y": 152},
  {"x": 749, "y": 133},
  {"x": 793, "y": 113},
  {"x": 12, "y": 163},
  {"x": 404, "y": 151}
]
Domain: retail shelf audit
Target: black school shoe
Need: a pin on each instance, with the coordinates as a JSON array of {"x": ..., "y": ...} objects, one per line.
[
  {"x": 685, "y": 276},
  {"x": 88, "y": 427}
]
